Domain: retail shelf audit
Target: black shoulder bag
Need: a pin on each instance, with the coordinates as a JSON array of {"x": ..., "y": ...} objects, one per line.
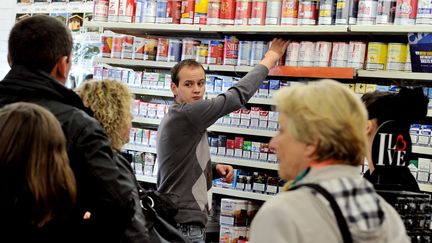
[
  {"x": 159, "y": 213},
  {"x": 343, "y": 226}
]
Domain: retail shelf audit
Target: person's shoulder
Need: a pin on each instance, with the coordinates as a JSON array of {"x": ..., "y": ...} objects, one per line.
[{"x": 279, "y": 201}]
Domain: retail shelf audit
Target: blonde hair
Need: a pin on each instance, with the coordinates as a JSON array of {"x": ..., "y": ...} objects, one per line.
[
  {"x": 33, "y": 152},
  {"x": 328, "y": 114},
  {"x": 110, "y": 101}
]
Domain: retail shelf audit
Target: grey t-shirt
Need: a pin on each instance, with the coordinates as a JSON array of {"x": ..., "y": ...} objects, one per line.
[{"x": 182, "y": 147}]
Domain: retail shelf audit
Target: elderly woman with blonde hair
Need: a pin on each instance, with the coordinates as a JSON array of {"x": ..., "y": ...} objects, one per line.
[{"x": 320, "y": 144}]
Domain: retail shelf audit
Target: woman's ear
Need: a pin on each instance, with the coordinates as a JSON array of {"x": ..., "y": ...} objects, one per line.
[{"x": 310, "y": 150}]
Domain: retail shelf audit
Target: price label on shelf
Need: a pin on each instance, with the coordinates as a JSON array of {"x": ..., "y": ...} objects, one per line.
[
  {"x": 42, "y": 8},
  {"x": 24, "y": 8},
  {"x": 59, "y": 7}
]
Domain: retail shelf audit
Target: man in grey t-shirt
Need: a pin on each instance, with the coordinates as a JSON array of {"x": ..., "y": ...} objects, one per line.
[{"x": 183, "y": 153}]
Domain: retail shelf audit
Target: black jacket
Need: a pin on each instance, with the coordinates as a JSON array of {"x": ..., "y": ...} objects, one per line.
[{"x": 97, "y": 174}]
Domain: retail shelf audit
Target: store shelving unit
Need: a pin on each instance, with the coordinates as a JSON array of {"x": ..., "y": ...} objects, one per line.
[
  {"x": 394, "y": 75},
  {"x": 310, "y": 72},
  {"x": 244, "y": 162},
  {"x": 168, "y": 93},
  {"x": 243, "y": 131},
  {"x": 134, "y": 63},
  {"x": 148, "y": 179},
  {"x": 140, "y": 148},
  {"x": 421, "y": 149},
  {"x": 209, "y": 29},
  {"x": 260, "y": 101},
  {"x": 144, "y": 27},
  {"x": 218, "y": 190},
  {"x": 242, "y": 194},
  {"x": 151, "y": 92},
  {"x": 425, "y": 187},
  {"x": 215, "y": 128},
  {"x": 313, "y": 72},
  {"x": 217, "y": 159},
  {"x": 389, "y": 29},
  {"x": 148, "y": 121}
]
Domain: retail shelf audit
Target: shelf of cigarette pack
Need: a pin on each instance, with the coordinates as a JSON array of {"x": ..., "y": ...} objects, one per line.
[
  {"x": 216, "y": 128},
  {"x": 421, "y": 149},
  {"x": 281, "y": 29},
  {"x": 394, "y": 75},
  {"x": 140, "y": 148},
  {"x": 244, "y": 162},
  {"x": 261, "y": 101},
  {"x": 159, "y": 64},
  {"x": 425, "y": 187},
  {"x": 313, "y": 72},
  {"x": 144, "y": 120},
  {"x": 148, "y": 179},
  {"x": 242, "y": 194},
  {"x": 139, "y": 63},
  {"x": 390, "y": 29},
  {"x": 152, "y": 92},
  {"x": 243, "y": 131},
  {"x": 148, "y": 27}
]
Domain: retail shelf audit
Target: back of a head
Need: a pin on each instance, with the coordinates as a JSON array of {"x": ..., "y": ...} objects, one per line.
[
  {"x": 33, "y": 153},
  {"x": 38, "y": 42},
  {"x": 110, "y": 101},
  {"x": 407, "y": 106},
  {"x": 328, "y": 114}
]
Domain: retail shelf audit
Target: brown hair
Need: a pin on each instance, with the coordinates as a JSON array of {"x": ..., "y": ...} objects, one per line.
[
  {"x": 38, "y": 42},
  {"x": 32, "y": 144},
  {"x": 179, "y": 66}
]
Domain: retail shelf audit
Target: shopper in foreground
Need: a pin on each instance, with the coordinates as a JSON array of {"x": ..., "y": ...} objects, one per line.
[
  {"x": 36, "y": 182},
  {"x": 322, "y": 141},
  {"x": 39, "y": 54},
  {"x": 110, "y": 101},
  {"x": 183, "y": 153}
]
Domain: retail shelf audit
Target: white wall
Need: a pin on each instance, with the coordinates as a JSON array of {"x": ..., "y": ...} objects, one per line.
[{"x": 7, "y": 19}]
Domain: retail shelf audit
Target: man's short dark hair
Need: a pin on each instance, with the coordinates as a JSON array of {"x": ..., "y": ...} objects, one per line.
[
  {"x": 179, "y": 66},
  {"x": 38, "y": 42}
]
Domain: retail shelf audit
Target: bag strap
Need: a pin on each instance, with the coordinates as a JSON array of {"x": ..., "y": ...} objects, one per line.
[{"x": 343, "y": 226}]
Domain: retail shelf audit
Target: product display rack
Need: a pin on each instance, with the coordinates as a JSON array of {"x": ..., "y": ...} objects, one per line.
[
  {"x": 309, "y": 72},
  {"x": 245, "y": 29},
  {"x": 267, "y": 29},
  {"x": 148, "y": 179},
  {"x": 241, "y": 194},
  {"x": 394, "y": 75},
  {"x": 167, "y": 93},
  {"x": 245, "y": 162},
  {"x": 215, "y": 158},
  {"x": 140, "y": 148},
  {"x": 389, "y": 29},
  {"x": 216, "y": 128},
  {"x": 421, "y": 149}
]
